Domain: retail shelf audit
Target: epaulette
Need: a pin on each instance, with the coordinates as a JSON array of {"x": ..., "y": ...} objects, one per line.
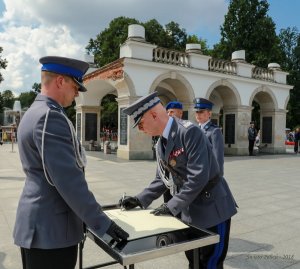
[{"x": 186, "y": 123}]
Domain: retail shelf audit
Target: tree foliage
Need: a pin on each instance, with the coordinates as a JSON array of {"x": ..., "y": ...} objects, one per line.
[
  {"x": 26, "y": 99},
  {"x": 8, "y": 99},
  {"x": 109, "y": 112},
  {"x": 3, "y": 64},
  {"x": 106, "y": 46},
  {"x": 248, "y": 27},
  {"x": 290, "y": 44}
]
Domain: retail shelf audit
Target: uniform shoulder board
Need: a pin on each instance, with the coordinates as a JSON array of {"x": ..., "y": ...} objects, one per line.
[{"x": 186, "y": 123}]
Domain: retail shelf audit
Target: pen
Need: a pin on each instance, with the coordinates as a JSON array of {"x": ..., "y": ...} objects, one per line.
[{"x": 123, "y": 197}]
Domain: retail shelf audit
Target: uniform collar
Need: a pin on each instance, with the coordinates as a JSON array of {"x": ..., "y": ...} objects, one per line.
[
  {"x": 167, "y": 128},
  {"x": 202, "y": 126},
  {"x": 49, "y": 101}
]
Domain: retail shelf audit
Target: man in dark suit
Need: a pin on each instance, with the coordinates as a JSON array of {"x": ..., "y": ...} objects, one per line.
[
  {"x": 55, "y": 202},
  {"x": 252, "y": 133},
  {"x": 200, "y": 195}
]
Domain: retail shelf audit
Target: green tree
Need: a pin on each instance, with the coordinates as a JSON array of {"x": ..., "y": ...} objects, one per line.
[
  {"x": 36, "y": 87},
  {"x": 290, "y": 43},
  {"x": 155, "y": 33},
  {"x": 8, "y": 99},
  {"x": 3, "y": 64},
  {"x": 193, "y": 39},
  {"x": 26, "y": 98},
  {"x": 106, "y": 46},
  {"x": 109, "y": 112},
  {"x": 247, "y": 26},
  {"x": 175, "y": 36}
]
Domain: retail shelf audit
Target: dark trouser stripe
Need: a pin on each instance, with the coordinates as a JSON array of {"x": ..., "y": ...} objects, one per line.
[{"x": 213, "y": 260}]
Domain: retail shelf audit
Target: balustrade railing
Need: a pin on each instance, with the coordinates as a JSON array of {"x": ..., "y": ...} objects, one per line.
[
  {"x": 262, "y": 73},
  {"x": 162, "y": 55},
  {"x": 222, "y": 66}
]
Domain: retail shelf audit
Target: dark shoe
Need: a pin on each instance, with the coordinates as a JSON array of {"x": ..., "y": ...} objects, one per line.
[{"x": 1, "y": 143}]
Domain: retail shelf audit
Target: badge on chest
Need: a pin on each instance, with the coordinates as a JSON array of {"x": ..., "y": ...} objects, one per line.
[{"x": 173, "y": 155}]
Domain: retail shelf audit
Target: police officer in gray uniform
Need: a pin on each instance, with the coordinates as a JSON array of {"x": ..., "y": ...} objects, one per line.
[
  {"x": 55, "y": 202},
  {"x": 203, "y": 108},
  {"x": 188, "y": 169}
]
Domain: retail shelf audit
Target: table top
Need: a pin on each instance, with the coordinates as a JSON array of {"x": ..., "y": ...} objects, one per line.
[{"x": 154, "y": 246}]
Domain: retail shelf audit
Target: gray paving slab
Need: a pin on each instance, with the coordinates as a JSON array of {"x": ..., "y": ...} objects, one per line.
[{"x": 264, "y": 234}]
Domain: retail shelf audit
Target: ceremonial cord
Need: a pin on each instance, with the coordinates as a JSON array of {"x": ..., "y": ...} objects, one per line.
[{"x": 78, "y": 149}]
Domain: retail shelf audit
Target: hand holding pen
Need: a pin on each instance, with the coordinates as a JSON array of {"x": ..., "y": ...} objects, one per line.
[{"x": 129, "y": 202}]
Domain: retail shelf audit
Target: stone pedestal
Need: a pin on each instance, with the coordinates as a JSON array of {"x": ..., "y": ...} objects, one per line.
[
  {"x": 239, "y": 119},
  {"x": 273, "y": 120},
  {"x": 132, "y": 143}
]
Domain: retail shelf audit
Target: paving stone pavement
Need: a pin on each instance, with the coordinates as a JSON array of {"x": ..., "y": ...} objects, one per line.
[{"x": 264, "y": 234}]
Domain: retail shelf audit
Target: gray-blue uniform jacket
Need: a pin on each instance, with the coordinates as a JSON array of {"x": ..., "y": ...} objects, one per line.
[
  {"x": 190, "y": 154},
  {"x": 214, "y": 135},
  {"x": 52, "y": 216}
]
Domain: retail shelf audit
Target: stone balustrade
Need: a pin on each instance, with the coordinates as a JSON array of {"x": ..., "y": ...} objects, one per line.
[
  {"x": 163, "y": 55},
  {"x": 222, "y": 66},
  {"x": 263, "y": 74}
]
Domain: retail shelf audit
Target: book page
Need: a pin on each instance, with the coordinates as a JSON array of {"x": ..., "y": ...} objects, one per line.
[{"x": 140, "y": 223}]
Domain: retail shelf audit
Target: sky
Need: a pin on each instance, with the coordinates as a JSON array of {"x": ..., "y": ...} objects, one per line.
[{"x": 30, "y": 29}]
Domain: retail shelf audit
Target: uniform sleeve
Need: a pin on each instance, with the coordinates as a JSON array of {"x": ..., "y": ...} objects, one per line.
[
  {"x": 68, "y": 178},
  {"x": 198, "y": 170},
  {"x": 152, "y": 192},
  {"x": 218, "y": 147}
]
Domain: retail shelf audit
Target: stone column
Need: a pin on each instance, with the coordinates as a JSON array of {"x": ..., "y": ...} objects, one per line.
[
  {"x": 88, "y": 124},
  {"x": 189, "y": 107},
  {"x": 274, "y": 121},
  {"x": 235, "y": 129},
  {"x": 132, "y": 143}
]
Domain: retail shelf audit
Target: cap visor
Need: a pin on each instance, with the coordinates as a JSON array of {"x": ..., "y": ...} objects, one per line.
[
  {"x": 81, "y": 86},
  {"x": 137, "y": 121}
]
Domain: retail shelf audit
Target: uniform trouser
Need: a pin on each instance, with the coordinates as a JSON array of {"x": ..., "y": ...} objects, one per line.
[
  {"x": 59, "y": 258},
  {"x": 251, "y": 146},
  {"x": 213, "y": 256}
]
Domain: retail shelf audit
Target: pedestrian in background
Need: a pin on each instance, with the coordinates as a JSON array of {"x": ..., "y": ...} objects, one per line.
[
  {"x": 252, "y": 133},
  {"x": 296, "y": 140}
]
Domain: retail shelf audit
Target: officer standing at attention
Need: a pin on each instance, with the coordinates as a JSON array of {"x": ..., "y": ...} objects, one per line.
[
  {"x": 174, "y": 108},
  {"x": 55, "y": 202},
  {"x": 203, "y": 108},
  {"x": 200, "y": 195}
]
